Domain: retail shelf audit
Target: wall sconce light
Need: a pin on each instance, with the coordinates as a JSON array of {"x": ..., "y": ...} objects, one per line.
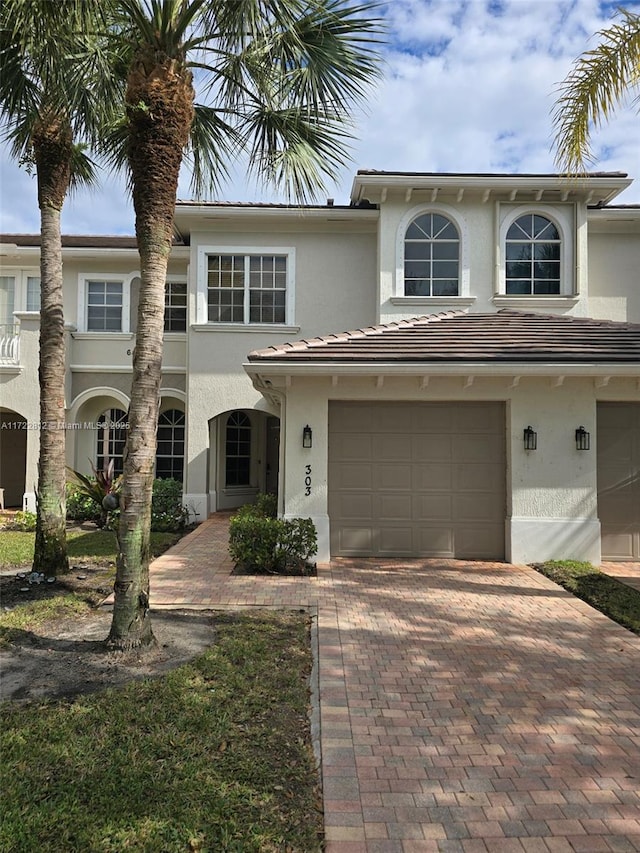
[
  {"x": 307, "y": 437},
  {"x": 583, "y": 439},
  {"x": 530, "y": 439}
]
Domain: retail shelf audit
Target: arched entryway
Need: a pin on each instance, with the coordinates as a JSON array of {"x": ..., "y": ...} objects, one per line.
[{"x": 245, "y": 447}]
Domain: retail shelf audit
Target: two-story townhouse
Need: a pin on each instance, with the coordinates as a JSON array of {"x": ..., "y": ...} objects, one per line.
[{"x": 487, "y": 404}]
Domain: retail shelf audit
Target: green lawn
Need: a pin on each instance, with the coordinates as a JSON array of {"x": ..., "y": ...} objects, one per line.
[
  {"x": 16, "y": 548},
  {"x": 616, "y": 600},
  {"x": 212, "y": 757}
]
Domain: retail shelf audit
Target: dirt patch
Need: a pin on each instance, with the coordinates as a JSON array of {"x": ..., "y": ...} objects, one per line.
[{"x": 66, "y": 656}]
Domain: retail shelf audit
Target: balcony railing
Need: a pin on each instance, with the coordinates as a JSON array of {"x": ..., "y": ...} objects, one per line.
[{"x": 9, "y": 344}]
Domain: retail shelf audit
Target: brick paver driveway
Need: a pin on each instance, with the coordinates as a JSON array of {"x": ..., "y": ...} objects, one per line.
[{"x": 463, "y": 706}]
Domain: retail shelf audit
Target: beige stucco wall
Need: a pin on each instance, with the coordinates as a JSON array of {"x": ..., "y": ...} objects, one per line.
[{"x": 614, "y": 276}]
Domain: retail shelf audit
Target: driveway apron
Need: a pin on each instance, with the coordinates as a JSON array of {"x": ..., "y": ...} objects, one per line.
[{"x": 462, "y": 706}]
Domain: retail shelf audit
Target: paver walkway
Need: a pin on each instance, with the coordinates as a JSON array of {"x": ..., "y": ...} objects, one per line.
[{"x": 472, "y": 707}]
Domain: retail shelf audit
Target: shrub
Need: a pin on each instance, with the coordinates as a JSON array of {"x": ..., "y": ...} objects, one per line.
[
  {"x": 80, "y": 506},
  {"x": 23, "y": 520},
  {"x": 84, "y": 503},
  {"x": 279, "y": 546},
  {"x": 168, "y": 515}
]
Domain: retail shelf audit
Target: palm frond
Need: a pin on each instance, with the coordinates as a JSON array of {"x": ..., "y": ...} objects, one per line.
[
  {"x": 599, "y": 81},
  {"x": 211, "y": 146}
]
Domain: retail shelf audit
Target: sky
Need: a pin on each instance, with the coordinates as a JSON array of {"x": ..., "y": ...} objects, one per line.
[{"x": 467, "y": 86}]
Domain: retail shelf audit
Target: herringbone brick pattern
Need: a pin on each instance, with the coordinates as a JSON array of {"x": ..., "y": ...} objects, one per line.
[{"x": 473, "y": 707}]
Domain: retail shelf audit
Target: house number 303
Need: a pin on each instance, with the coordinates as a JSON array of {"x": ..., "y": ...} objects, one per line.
[{"x": 307, "y": 480}]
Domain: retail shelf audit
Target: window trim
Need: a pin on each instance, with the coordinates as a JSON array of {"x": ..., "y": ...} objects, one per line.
[
  {"x": 202, "y": 313},
  {"x": 464, "y": 278},
  {"x": 562, "y": 216},
  {"x": 20, "y": 276},
  {"x": 173, "y": 456},
  {"x": 83, "y": 291}
]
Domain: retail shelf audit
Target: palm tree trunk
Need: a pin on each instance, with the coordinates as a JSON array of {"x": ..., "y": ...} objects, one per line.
[
  {"x": 160, "y": 112},
  {"x": 52, "y": 145}
]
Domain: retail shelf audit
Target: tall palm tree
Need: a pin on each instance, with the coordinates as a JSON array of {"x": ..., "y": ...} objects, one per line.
[
  {"x": 47, "y": 75},
  {"x": 280, "y": 78},
  {"x": 598, "y": 82}
]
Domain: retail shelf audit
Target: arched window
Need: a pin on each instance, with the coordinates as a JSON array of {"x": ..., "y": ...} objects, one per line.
[
  {"x": 170, "y": 449},
  {"x": 431, "y": 257},
  {"x": 238, "y": 450},
  {"x": 112, "y": 435},
  {"x": 532, "y": 255}
]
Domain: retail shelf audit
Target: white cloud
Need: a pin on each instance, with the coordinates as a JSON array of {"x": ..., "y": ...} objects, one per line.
[{"x": 469, "y": 85}]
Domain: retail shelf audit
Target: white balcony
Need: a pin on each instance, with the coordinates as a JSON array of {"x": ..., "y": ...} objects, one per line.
[{"x": 9, "y": 344}]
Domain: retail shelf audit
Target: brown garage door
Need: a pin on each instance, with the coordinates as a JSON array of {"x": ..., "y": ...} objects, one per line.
[
  {"x": 619, "y": 480},
  {"x": 417, "y": 479}
]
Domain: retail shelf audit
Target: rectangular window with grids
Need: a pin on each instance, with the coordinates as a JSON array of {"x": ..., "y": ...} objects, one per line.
[
  {"x": 33, "y": 293},
  {"x": 104, "y": 306},
  {"x": 247, "y": 288},
  {"x": 175, "y": 306}
]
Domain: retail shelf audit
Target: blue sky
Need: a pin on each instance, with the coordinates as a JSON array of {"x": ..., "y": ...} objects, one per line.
[{"x": 468, "y": 86}]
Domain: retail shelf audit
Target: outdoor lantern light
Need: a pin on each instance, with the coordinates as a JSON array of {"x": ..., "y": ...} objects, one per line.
[
  {"x": 530, "y": 439},
  {"x": 307, "y": 436},
  {"x": 583, "y": 439}
]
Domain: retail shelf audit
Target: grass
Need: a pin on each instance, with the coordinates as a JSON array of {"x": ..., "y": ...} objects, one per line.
[
  {"x": 213, "y": 756},
  {"x": 16, "y": 547},
  {"x": 616, "y": 600}
]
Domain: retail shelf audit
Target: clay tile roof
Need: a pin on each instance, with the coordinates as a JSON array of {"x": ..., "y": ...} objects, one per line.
[{"x": 455, "y": 336}]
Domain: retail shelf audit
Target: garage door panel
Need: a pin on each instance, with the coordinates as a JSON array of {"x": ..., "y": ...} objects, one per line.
[
  {"x": 619, "y": 480},
  {"x": 435, "y": 541},
  {"x": 355, "y": 541},
  {"x": 477, "y": 448},
  {"x": 387, "y": 476},
  {"x": 354, "y": 506},
  {"x": 389, "y": 448},
  {"x": 431, "y": 448},
  {"x": 432, "y": 478},
  {"x": 437, "y": 475},
  {"x": 474, "y": 508},
  {"x": 353, "y": 447},
  {"x": 392, "y": 507},
  {"x": 437, "y": 418},
  {"x": 435, "y": 507},
  {"x": 477, "y": 418},
  {"x": 351, "y": 476},
  {"x": 481, "y": 542},
  {"x": 477, "y": 477},
  {"x": 395, "y": 540}
]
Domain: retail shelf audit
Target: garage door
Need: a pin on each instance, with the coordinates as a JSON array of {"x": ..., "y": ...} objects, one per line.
[
  {"x": 417, "y": 479},
  {"x": 619, "y": 480}
]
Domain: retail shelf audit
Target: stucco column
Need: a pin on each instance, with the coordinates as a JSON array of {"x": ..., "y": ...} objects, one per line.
[
  {"x": 304, "y": 484},
  {"x": 553, "y": 511}
]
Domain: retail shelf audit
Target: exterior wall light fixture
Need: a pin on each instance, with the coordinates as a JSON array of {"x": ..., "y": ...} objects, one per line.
[
  {"x": 307, "y": 437},
  {"x": 583, "y": 439},
  {"x": 530, "y": 439}
]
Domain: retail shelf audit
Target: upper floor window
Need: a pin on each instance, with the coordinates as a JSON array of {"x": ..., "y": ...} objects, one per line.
[
  {"x": 7, "y": 300},
  {"x": 104, "y": 306},
  {"x": 247, "y": 288},
  {"x": 33, "y": 293},
  {"x": 175, "y": 306},
  {"x": 19, "y": 291},
  {"x": 431, "y": 257},
  {"x": 103, "y": 302},
  {"x": 532, "y": 256}
]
